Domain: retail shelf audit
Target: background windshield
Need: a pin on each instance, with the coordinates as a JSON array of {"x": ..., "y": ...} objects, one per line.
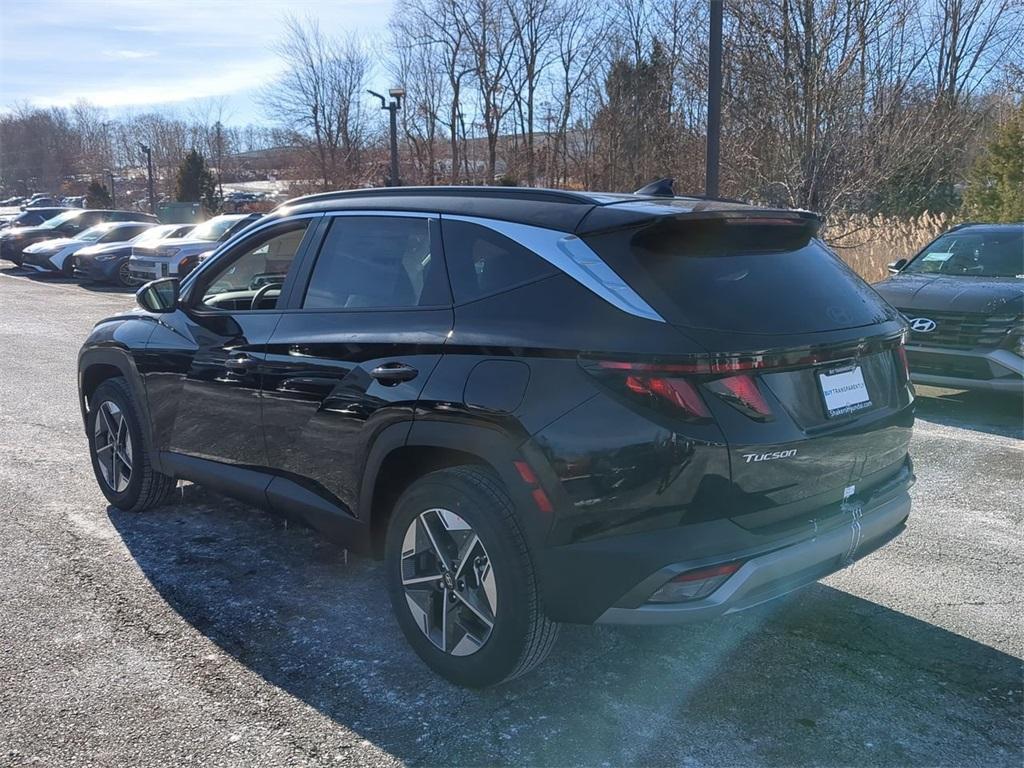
[
  {"x": 974, "y": 253},
  {"x": 93, "y": 234},
  {"x": 56, "y": 221},
  {"x": 153, "y": 234},
  {"x": 213, "y": 229}
]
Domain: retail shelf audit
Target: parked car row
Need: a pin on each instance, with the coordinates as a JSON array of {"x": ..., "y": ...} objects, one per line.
[
  {"x": 68, "y": 224},
  {"x": 43, "y": 200},
  {"x": 119, "y": 247},
  {"x": 31, "y": 217},
  {"x": 109, "y": 262},
  {"x": 176, "y": 259}
]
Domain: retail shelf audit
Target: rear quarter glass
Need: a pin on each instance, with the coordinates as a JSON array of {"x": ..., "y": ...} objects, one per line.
[{"x": 742, "y": 278}]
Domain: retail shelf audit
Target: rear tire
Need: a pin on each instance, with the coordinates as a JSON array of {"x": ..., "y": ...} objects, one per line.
[
  {"x": 119, "y": 453},
  {"x": 478, "y": 622}
]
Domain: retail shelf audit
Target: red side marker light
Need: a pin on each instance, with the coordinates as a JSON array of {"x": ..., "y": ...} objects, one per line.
[
  {"x": 525, "y": 472},
  {"x": 542, "y": 501}
]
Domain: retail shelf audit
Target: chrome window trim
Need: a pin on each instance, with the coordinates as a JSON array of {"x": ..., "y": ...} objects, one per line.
[
  {"x": 380, "y": 212},
  {"x": 573, "y": 257},
  {"x": 564, "y": 251}
]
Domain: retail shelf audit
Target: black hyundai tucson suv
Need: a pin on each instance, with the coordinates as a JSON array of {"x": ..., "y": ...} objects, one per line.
[{"x": 536, "y": 406}]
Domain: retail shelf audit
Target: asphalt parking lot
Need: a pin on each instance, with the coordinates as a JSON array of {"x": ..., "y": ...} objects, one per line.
[{"x": 210, "y": 633}]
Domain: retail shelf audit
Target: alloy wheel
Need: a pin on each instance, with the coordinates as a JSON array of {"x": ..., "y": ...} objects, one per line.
[
  {"x": 112, "y": 443},
  {"x": 449, "y": 582},
  {"x": 124, "y": 274}
]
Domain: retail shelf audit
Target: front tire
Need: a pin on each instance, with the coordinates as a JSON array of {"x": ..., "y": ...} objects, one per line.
[
  {"x": 461, "y": 579},
  {"x": 124, "y": 275},
  {"x": 120, "y": 455}
]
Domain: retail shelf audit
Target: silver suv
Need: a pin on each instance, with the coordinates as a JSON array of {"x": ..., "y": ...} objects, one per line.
[{"x": 178, "y": 258}]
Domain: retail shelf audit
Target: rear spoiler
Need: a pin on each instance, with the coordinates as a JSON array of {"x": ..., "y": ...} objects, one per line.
[{"x": 647, "y": 213}]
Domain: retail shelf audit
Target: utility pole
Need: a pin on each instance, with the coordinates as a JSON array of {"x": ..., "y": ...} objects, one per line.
[
  {"x": 149, "y": 171},
  {"x": 714, "y": 99},
  {"x": 396, "y": 94}
]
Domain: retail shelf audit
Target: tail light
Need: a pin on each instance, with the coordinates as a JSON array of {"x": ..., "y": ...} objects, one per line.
[
  {"x": 695, "y": 584},
  {"x": 676, "y": 386},
  {"x": 741, "y": 393},
  {"x": 658, "y": 387},
  {"x": 901, "y": 353}
]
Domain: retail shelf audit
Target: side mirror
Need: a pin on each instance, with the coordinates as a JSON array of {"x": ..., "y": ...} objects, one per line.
[
  {"x": 159, "y": 296},
  {"x": 897, "y": 266}
]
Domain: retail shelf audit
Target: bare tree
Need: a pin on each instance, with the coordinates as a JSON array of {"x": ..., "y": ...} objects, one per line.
[
  {"x": 435, "y": 25},
  {"x": 534, "y": 27},
  {"x": 489, "y": 47},
  {"x": 319, "y": 98}
]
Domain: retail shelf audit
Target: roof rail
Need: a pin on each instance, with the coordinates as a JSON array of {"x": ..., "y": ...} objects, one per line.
[{"x": 518, "y": 193}]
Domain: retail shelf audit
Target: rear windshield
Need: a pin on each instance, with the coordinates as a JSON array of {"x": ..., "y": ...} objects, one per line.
[
  {"x": 974, "y": 253},
  {"x": 741, "y": 278}
]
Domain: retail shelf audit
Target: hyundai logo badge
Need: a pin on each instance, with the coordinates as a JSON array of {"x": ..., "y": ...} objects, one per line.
[{"x": 922, "y": 325}]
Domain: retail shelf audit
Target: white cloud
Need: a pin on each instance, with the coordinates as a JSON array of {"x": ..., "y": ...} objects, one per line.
[
  {"x": 170, "y": 89},
  {"x": 126, "y": 53}
]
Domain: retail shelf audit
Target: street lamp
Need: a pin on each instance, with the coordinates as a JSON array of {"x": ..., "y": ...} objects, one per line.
[
  {"x": 396, "y": 94},
  {"x": 149, "y": 171}
]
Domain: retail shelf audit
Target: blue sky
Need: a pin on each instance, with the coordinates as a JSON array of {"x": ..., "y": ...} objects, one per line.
[{"x": 134, "y": 55}]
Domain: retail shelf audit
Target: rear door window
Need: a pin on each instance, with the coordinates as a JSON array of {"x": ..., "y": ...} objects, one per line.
[
  {"x": 482, "y": 262},
  {"x": 742, "y": 278},
  {"x": 377, "y": 262}
]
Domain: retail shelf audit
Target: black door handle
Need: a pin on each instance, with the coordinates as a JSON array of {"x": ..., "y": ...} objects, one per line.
[
  {"x": 240, "y": 362},
  {"x": 391, "y": 374}
]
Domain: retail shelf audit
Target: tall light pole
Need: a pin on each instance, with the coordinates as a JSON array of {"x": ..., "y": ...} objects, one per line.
[
  {"x": 714, "y": 99},
  {"x": 149, "y": 171},
  {"x": 396, "y": 94},
  {"x": 113, "y": 194}
]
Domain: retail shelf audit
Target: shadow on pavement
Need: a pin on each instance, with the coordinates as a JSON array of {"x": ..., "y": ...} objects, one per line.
[
  {"x": 60, "y": 279},
  {"x": 820, "y": 677},
  {"x": 997, "y": 414}
]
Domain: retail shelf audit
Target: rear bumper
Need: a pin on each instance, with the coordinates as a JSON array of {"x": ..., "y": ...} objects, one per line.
[
  {"x": 990, "y": 370},
  {"x": 770, "y": 575},
  {"x": 611, "y": 579}
]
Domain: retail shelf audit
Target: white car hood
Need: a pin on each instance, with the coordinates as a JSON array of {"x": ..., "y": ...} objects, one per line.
[{"x": 57, "y": 244}]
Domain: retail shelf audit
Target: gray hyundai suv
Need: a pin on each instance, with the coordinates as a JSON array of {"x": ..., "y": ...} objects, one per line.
[{"x": 963, "y": 297}]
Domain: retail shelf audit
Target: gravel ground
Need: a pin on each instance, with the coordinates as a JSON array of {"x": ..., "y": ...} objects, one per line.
[{"x": 211, "y": 633}]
